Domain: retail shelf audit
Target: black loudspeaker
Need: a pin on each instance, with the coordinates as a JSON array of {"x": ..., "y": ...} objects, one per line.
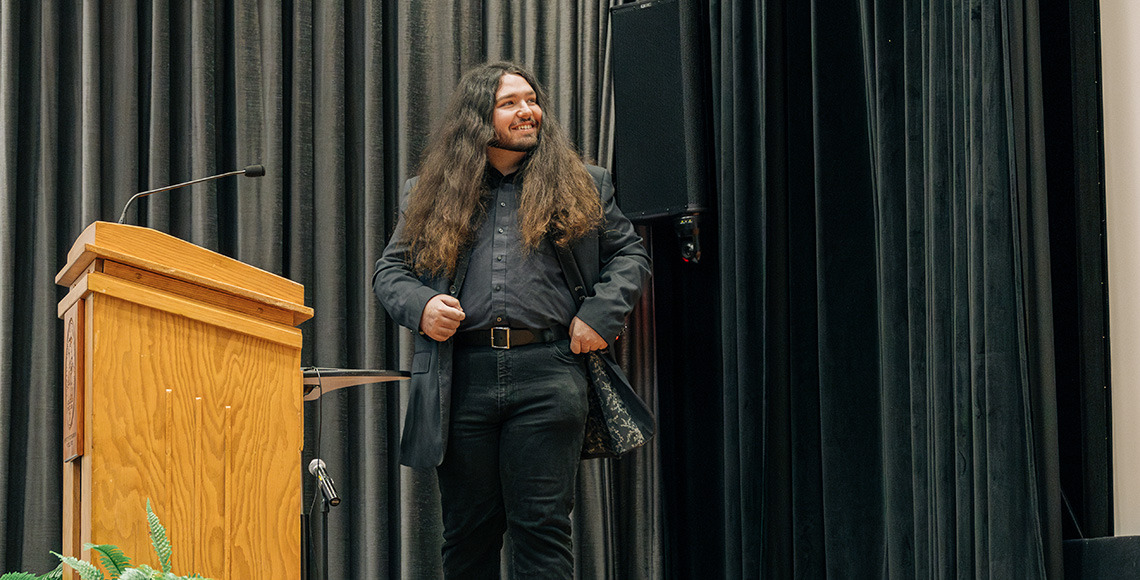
[{"x": 660, "y": 128}]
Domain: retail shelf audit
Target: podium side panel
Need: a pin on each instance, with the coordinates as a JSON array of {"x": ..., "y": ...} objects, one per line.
[{"x": 74, "y": 383}]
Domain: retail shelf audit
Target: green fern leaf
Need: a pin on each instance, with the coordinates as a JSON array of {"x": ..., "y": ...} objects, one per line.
[
  {"x": 158, "y": 538},
  {"x": 87, "y": 570},
  {"x": 56, "y": 574},
  {"x": 140, "y": 573},
  {"x": 150, "y": 572},
  {"x": 112, "y": 558}
]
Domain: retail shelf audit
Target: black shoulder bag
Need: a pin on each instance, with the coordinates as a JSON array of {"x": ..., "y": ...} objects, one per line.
[{"x": 618, "y": 421}]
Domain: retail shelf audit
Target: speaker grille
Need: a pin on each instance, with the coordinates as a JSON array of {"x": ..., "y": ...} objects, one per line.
[{"x": 659, "y": 127}]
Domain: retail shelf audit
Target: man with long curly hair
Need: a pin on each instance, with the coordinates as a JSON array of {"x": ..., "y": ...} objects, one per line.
[{"x": 498, "y": 391}]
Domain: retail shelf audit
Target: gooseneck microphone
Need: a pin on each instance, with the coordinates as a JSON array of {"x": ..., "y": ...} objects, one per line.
[
  {"x": 317, "y": 468},
  {"x": 250, "y": 171}
]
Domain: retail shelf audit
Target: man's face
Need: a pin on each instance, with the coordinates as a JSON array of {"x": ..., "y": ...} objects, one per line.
[{"x": 517, "y": 116}]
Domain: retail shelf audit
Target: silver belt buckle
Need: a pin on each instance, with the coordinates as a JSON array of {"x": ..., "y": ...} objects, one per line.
[{"x": 501, "y": 337}]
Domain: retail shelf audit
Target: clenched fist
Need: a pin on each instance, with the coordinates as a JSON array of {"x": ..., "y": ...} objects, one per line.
[
  {"x": 583, "y": 338},
  {"x": 441, "y": 317}
]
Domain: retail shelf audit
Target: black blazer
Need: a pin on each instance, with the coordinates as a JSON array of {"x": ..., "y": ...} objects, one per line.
[{"x": 614, "y": 265}]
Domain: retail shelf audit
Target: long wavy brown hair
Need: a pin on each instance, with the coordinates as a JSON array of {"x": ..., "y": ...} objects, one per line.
[{"x": 558, "y": 199}]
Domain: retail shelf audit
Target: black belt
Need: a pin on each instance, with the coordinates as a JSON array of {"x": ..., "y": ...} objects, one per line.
[{"x": 504, "y": 337}]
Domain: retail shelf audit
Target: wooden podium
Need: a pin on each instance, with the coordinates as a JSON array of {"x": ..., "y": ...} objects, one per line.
[{"x": 182, "y": 377}]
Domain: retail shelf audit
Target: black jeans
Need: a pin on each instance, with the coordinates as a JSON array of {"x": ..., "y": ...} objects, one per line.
[{"x": 517, "y": 422}]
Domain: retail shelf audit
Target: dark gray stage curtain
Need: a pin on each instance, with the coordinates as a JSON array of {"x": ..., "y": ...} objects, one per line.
[
  {"x": 889, "y": 390},
  {"x": 100, "y": 100}
]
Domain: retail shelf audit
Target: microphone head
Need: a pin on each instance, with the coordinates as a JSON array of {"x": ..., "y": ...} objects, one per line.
[
  {"x": 314, "y": 465},
  {"x": 254, "y": 170}
]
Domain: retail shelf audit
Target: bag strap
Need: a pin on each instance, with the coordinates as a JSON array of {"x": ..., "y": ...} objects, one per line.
[
  {"x": 460, "y": 271},
  {"x": 569, "y": 264},
  {"x": 571, "y": 271}
]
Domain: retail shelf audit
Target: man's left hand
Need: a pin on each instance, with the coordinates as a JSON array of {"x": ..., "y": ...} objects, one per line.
[{"x": 583, "y": 338}]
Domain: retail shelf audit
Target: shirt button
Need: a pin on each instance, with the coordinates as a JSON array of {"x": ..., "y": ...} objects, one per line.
[
  {"x": 498, "y": 287},
  {"x": 502, "y": 204},
  {"x": 499, "y": 319},
  {"x": 500, "y": 230},
  {"x": 499, "y": 258}
]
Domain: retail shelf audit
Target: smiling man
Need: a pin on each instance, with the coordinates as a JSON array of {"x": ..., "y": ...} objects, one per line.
[{"x": 498, "y": 390}]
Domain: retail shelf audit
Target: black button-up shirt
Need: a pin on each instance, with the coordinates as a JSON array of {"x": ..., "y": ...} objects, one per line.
[{"x": 506, "y": 283}]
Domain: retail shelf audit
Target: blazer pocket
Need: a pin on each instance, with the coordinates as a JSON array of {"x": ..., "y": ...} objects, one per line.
[{"x": 421, "y": 362}]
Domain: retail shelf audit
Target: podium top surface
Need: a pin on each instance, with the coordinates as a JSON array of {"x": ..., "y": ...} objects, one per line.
[{"x": 161, "y": 253}]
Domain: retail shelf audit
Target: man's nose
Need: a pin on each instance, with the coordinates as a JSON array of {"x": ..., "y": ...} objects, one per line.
[{"x": 524, "y": 109}]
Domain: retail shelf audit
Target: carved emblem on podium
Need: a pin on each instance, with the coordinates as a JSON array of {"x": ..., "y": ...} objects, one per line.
[{"x": 72, "y": 389}]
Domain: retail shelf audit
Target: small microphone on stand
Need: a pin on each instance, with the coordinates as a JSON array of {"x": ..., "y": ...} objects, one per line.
[
  {"x": 317, "y": 468},
  {"x": 250, "y": 171}
]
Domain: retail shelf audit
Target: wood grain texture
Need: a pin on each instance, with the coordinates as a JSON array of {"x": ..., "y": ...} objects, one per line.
[
  {"x": 72, "y": 512},
  {"x": 78, "y": 289},
  {"x": 160, "y": 253},
  {"x": 199, "y": 293},
  {"x": 190, "y": 398},
  {"x": 75, "y": 294},
  {"x": 206, "y": 422},
  {"x": 191, "y": 308}
]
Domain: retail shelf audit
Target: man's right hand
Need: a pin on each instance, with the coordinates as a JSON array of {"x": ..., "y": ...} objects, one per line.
[{"x": 441, "y": 317}]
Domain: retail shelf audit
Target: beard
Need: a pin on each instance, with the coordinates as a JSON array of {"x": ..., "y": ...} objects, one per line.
[{"x": 521, "y": 145}]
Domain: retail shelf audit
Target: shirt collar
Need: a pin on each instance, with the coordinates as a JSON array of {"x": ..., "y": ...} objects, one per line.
[{"x": 496, "y": 179}]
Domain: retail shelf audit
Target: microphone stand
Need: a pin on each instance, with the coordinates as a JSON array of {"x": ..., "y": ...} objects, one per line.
[
  {"x": 251, "y": 171},
  {"x": 329, "y": 498},
  {"x": 306, "y": 538},
  {"x": 306, "y": 532},
  {"x": 324, "y": 538}
]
